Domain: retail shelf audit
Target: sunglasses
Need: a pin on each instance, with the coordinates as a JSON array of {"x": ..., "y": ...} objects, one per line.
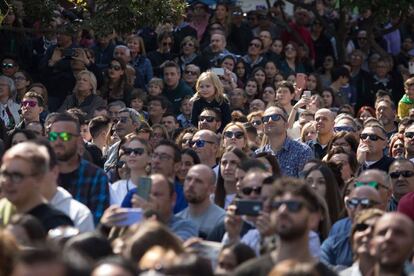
[
  {"x": 115, "y": 67},
  {"x": 409, "y": 135},
  {"x": 14, "y": 177},
  {"x": 257, "y": 45},
  {"x": 136, "y": 151},
  {"x": 274, "y": 117},
  {"x": 344, "y": 128},
  {"x": 360, "y": 227},
  {"x": 257, "y": 123},
  {"x": 371, "y": 136},
  {"x": 250, "y": 190},
  {"x": 7, "y": 65},
  {"x": 200, "y": 143},
  {"x": 190, "y": 72},
  {"x": 405, "y": 174},
  {"x": 166, "y": 43},
  {"x": 120, "y": 164},
  {"x": 230, "y": 134},
  {"x": 363, "y": 202},
  {"x": 292, "y": 205},
  {"x": 29, "y": 103},
  {"x": 209, "y": 119},
  {"x": 373, "y": 184},
  {"x": 64, "y": 136}
]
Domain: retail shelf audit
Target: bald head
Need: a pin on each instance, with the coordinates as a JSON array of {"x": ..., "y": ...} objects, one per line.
[
  {"x": 205, "y": 172},
  {"x": 325, "y": 120},
  {"x": 199, "y": 184},
  {"x": 327, "y": 112}
]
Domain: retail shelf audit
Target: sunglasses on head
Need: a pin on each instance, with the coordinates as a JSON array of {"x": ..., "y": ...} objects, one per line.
[
  {"x": 236, "y": 134},
  {"x": 292, "y": 205},
  {"x": 7, "y": 65},
  {"x": 250, "y": 190},
  {"x": 29, "y": 103},
  {"x": 115, "y": 67},
  {"x": 274, "y": 117},
  {"x": 200, "y": 143},
  {"x": 405, "y": 174},
  {"x": 363, "y": 202},
  {"x": 371, "y": 136},
  {"x": 64, "y": 136},
  {"x": 136, "y": 151},
  {"x": 209, "y": 119},
  {"x": 409, "y": 135},
  {"x": 344, "y": 128}
]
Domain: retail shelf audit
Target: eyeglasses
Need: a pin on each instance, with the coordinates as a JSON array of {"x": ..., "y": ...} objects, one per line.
[
  {"x": 64, "y": 136},
  {"x": 257, "y": 45},
  {"x": 161, "y": 156},
  {"x": 166, "y": 43},
  {"x": 7, "y": 65},
  {"x": 373, "y": 184},
  {"x": 230, "y": 134},
  {"x": 405, "y": 174},
  {"x": 344, "y": 128},
  {"x": 188, "y": 72},
  {"x": 209, "y": 119},
  {"x": 200, "y": 143},
  {"x": 363, "y": 202},
  {"x": 19, "y": 78},
  {"x": 292, "y": 205},
  {"x": 360, "y": 227},
  {"x": 115, "y": 67},
  {"x": 14, "y": 177},
  {"x": 122, "y": 120},
  {"x": 250, "y": 190},
  {"x": 371, "y": 136},
  {"x": 409, "y": 135},
  {"x": 136, "y": 151},
  {"x": 29, "y": 103},
  {"x": 257, "y": 123},
  {"x": 274, "y": 117}
]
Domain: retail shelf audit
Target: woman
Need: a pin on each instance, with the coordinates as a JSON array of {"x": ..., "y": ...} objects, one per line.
[
  {"x": 84, "y": 95},
  {"x": 231, "y": 256},
  {"x": 222, "y": 16},
  {"x": 241, "y": 72},
  {"x": 277, "y": 49},
  {"x": 396, "y": 148},
  {"x": 323, "y": 180},
  {"x": 328, "y": 96},
  {"x": 159, "y": 132},
  {"x": 308, "y": 132},
  {"x": 226, "y": 182},
  {"x": 9, "y": 109},
  {"x": 290, "y": 63},
  {"x": 189, "y": 158},
  {"x": 270, "y": 162},
  {"x": 365, "y": 112},
  {"x": 259, "y": 74},
  {"x": 313, "y": 83},
  {"x": 345, "y": 140},
  {"x": 269, "y": 95},
  {"x": 255, "y": 118},
  {"x": 252, "y": 89},
  {"x": 19, "y": 136},
  {"x": 139, "y": 60},
  {"x": 189, "y": 53},
  {"x": 116, "y": 85},
  {"x": 183, "y": 140},
  {"x": 325, "y": 72},
  {"x": 271, "y": 71},
  {"x": 234, "y": 134},
  {"x": 346, "y": 160},
  {"x": 22, "y": 81},
  {"x": 137, "y": 153}
]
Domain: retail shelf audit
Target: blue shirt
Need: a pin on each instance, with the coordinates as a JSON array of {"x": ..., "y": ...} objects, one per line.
[{"x": 291, "y": 157}]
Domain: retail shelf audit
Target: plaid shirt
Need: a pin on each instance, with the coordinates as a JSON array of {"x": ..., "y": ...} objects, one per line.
[{"x": 88, "y": 184}]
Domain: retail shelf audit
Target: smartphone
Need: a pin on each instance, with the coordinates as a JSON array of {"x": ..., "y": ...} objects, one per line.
[
  {"x": 218, "y": 71},
  {"x": 307, "y": 93},
  {"x": 133, "y": 216},
  {"x": 248, "y": 207},
  {"x": 144, "y": 187},
  {"x": 411, "y": 67},
  {"x": 301, "y": 80}
]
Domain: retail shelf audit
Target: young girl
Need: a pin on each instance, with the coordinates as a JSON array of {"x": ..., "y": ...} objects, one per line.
[
  {"x": 252, "y": 89},
  {"x": 210, "y": 93}
]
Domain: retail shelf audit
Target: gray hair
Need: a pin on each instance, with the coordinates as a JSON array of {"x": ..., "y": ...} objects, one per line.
[
  {"x": 384, "y": 175},
  {"x": 128, "y": 51},
  {"x": 92, "y": 80},
  {"x": 133, "y": 114},
  {"x": 12, "y": 87},
  {"x": 119, "y": 103}
]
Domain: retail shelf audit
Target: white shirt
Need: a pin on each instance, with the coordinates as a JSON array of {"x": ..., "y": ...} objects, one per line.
[
  {"x": 79, "y": 213},
  {"x": 119, "y": 189}
]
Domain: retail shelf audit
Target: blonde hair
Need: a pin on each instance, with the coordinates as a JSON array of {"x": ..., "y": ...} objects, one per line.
[
  {"x": 305, "y": 129},
  {"x": 156, "y": 81},
  {"x": 254, "y": 114},
  {"x": 36, "y": 155},
  {"x": 92, "y": 80},
  {"x": 218, "y": 86},
  {"x": 140, "y": 42},
  {"x": 243, "y": 129}
]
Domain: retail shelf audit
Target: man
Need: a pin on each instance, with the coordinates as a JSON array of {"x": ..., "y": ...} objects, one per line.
[
  {"x": 238, "y": 99},
  {"x": 281, "y": 146},
  {"x": 22, "y": 174},
  {"x": 175, "y": 89},
  {"x": 210, "y": 119},
  {"x": 254, "y": 57},
  {"x": 345, "y": 122},
  {"x": 266, "y": 37},
  {"x": 361, "y": 80},
  {"x": 340, "y": 79},
  {"x": 217, "y": 48},
  {"x": 370, "y": 153},
  {"x": 379, "y": 180},
  {"x": 293, "y": 210},
  {"x": 392, "y": 243},
  {"x": 165, "y": 160},
  {"x": 32, "y": 105},
  {"x": 409, "y": 142},
  {"x": 103, "y": 50},
  {"x": 98, "y": 128},
  {"x": 157, "y": 106},
  {"x": 161, "y": 201},
  {"x": 385, "y": 112},
  {"x": 402, "y": 178},
  {"x": 257, "y": 105},
  {"x": 336, "y": 250},
  {"x": 325, "y": 120},
  {"x": 83, "y": 180},
  {"x": 206, "y": 144},
  {"x": 114, "y": 108},
  {"x": 127, "y": 121},
  {"x": 191, "y": 74},
  {"x": 122, "y": 52},
  {"x": 199, "y": 184},
  {"x": 170, "y": 123}
]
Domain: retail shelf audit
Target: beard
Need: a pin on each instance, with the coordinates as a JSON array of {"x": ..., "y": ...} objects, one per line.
[
  {"x": 292, "y": 231},
  {"x": 193, "y": 198},
  {"x": 66, "y": 155}
]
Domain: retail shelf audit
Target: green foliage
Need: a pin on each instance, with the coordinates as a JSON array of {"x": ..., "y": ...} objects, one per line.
[{"x": 41, "y": 10}]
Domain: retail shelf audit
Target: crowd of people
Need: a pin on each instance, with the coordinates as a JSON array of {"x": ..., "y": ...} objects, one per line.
[{"x": 227, "y": 143}]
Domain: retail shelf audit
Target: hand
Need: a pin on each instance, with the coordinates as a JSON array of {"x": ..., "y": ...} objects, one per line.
[
  {"x": 302, "y": 102},
  {"x": 80, "y": 55},
  {"x": 362, "y": 153},
  {"x": 233, "y": 223},
  {"x": 113, "y": 216},
  {"x": 56, "y": 56},
  {"x": 139, "y": 202},
  {"x": 263, "y": 224}
]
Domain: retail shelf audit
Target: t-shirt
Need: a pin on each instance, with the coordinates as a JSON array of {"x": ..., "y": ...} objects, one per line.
[
  {"x": 264, "y": 264},
  {"x": 205, "y": 222},
  {"x": 50, "y": 217}
]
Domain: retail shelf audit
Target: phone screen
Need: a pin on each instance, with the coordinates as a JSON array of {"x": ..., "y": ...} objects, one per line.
[
  {"x": 218, "y": 71},
  {"x": 144, "y": 187}
]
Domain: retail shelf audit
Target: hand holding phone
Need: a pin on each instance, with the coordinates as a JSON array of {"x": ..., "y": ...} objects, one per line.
[
  {"x": 144, "y": 187},
  {"x": 248, "y": 207},
  {"x": 131, "y": 216},
  {"x": 218, "y": 71}
]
